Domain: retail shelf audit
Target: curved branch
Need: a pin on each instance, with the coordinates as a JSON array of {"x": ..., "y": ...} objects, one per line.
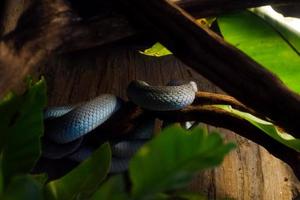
[{"x": 208, "y": 98}]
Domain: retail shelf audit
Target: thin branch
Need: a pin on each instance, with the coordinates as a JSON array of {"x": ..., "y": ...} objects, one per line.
[
  {"x": 208, "y": 98},
  {"x": 221, "y": 63}
]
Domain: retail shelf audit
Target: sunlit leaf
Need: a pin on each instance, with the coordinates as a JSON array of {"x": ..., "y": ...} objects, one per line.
[
  {"x": 21, "y": 125},
  {"x": 170, "y": 160},
  {"x": 288, "y": 27},
  {"x": 84, "y": 180},
  {"x": 23, "y": 187},
  {"x": 206, "y": 22},
  {"x": 112, "y": 189},
  {"x": 263, "y": 43},
  {"x": 266, "y": 127},
  {"x": 156, "y": 50}
]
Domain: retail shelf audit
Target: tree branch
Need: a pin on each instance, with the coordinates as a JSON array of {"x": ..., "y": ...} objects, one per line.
[
  {"x": 208, "y": 98},
  {"x": 112, "y": 27},
  {"x": 131, "y": 116},
  {"x": 221, "y": 63},
  {"x": 221, "y": 118}
]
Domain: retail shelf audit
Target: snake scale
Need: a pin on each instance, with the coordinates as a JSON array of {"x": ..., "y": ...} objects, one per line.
[{"x": 68, "y": 125}]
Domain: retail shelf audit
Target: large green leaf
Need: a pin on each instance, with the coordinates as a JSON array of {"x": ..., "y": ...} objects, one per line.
[
  {"x": 21, "y": 125},
  {"x": 264, "y": 44},
  {"x": 84, "y": 180},
  {"x": 170, "y": 160},
  {"x": 266, "y": 127},
  {"x": 23, "y": 187},
  {"x": 112, "y": 189},
  {"x": 287, "y": 26}
]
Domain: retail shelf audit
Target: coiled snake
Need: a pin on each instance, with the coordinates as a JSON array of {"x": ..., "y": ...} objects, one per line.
[{"x": 69, "y": 124}]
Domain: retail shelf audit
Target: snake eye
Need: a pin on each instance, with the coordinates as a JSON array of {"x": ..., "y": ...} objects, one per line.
[{"x": 194, "y": 86}]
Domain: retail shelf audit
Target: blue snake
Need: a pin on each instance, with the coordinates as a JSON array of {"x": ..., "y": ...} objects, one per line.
[{"x": 67, "y": 125}]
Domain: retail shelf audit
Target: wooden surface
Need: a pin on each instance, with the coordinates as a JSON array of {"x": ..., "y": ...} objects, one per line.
[{"x": 249, "y": 172}]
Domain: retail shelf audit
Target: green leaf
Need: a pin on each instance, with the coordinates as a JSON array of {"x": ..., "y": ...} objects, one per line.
[
  {"x": 267, "y": 127},
  {"x": 41, "y": 178},
  {"x": 1, "y": 178},
  {"x": 286, "y": 26},
  {"x": 23, "y": 187},
  {"x": 84, "y": 180},
  {"x": 112, "y": 189},
  {"x": 190, "y": 196},
  {"x": 21, "y": 125},
  {"x": 170, "y": 160},
  {"x": 157, "y": 50},
  {"x": 264, "y": 44}
]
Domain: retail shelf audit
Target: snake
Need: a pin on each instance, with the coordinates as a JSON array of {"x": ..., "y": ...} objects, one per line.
[{"x": 66, "y": 126}]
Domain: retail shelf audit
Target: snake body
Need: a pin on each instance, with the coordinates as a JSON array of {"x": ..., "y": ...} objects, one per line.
[
  {"x": 161, "y": 98},
  {"x": 66, "y": 125},
  {"x": 82, "y": 119}
]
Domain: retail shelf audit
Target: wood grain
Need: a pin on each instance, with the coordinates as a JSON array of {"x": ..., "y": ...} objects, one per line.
[{"x": 249, "y": 172}]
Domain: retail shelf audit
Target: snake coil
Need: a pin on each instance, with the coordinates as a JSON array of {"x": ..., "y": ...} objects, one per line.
[{"x": 67, "y": 125}]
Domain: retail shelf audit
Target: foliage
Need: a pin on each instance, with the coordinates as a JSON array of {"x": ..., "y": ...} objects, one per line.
[
  {"x": 84, "y": 180},
  {"x": 264, "y": 44},
  {"x": 181, "y": 153},
  {"x": 166, "y": 163},
  {"x": 113, "y": 189},
  {"x": 23, "y": 187},
  {"x": 286, "y": 26},
  {"x": 21, "y": 125},
  {"x": 157, "y": 50},
  {"x": 267, "y": 127},
  {"x": 170, "y": 160}
]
